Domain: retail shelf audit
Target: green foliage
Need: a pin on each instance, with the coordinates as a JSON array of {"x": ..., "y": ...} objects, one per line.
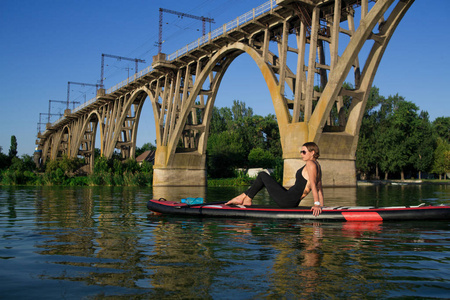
[
  {"x": 146, "y": 167},
  {"x": 66, "y": 164},
  {"x": 225, "y": 152},
  {"x": 20, "y": 172},
  {"x": 219, "y": 120},
  {"x": 61, "y": 171},
  {"x": 400, "y": 136},
  {"x": 113, "y": 172},
  {"x": 441, "y": 163},
  {"x": 441, "y": 126},
  {"x": 102, "y": 164},
  {"x": 426, "y": 141},
  {"x": 394, "y": 137},
  {"x": 4, "y": 161},
  {"x": 261, "y": 158},
  {"x": 240, "y": 180},
  {"x": 131, "y": 166},
  {"x": 13, "y": 147},
  {"x": 234, "y": 132},
  {"x": 22, "y": 165},
  {"x": 278, "y": 170},
  {"x": 16, "y": 177}
]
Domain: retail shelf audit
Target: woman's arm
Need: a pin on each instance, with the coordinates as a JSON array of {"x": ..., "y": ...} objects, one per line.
[{"x": 316, "y": 186}]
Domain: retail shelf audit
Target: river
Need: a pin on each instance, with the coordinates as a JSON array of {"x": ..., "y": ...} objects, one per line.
[{"x": 101, "y": 242}]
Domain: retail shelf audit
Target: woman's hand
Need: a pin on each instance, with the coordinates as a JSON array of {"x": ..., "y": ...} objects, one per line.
[{"x": 316, "y": 210}]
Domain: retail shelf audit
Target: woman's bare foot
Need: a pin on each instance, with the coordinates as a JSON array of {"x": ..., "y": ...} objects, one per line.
[
  {"x": 247, "y": 201},
  {"x": 238, "y": 200},
  {"x": 242, "y": 199}
]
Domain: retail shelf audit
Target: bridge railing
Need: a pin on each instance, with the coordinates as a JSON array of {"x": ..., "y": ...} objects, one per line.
[
  {"x": 129, "y": 79},
  {"x": 247, "y": 17}
]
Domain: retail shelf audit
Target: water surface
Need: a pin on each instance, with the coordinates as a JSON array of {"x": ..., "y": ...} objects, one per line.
[{"x": 74, "y": 243}]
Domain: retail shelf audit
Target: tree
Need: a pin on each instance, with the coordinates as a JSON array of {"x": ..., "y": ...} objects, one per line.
[
  {"x": 240, "y": 111},
  {"x": 404, "y": 125},
  {"x": 369, "y": 149},
  {"x": 4, "y": 160},
  {"x": 384, "y": 141},
  {"x": 217, "y": 123},
  {"x": 261, "y": 158},
  {"x": 22, "y": 165},
  {"x": 441, "y": 163},
  {"x": 13, "y": 148},
  {"x": 426, "y": 143},
  {"x": 441, "y": 126},
  {"x": 225, "y": 152}
]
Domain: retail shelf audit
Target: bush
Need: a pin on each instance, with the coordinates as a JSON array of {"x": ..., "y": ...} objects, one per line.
[
  {"x": 261, "y": 158},
  {"x": 102, "y": 164},
  {"x": 238, "y": 181},
  {"x": 109, "y": 172}
]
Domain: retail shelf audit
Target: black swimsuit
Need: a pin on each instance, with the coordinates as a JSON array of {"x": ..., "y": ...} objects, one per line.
[{"x": 285, "y": 198}]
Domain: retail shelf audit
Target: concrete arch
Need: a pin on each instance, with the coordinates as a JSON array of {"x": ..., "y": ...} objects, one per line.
[
  {"x": 85, "y": 143},
  {"x": 47, "y": 149},
  {"x": 233, "y": 51},
  {"x": 64, "y": 142},
  {"x": 370, "y": 68},
  {"x": 91, "y": 115},
  {"x": 58, "y": 148},
  {"x": 56, "y": 144},
  {"x": 138, "y": 95},
  {"x": 153, "y": 98},
  {"x": 342, "y": 68}
]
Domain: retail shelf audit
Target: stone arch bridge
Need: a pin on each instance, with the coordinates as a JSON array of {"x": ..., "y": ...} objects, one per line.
[{"x": 303, "y": 48}]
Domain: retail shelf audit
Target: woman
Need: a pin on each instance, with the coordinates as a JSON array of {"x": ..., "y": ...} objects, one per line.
[{"x": 307, "y": 179}]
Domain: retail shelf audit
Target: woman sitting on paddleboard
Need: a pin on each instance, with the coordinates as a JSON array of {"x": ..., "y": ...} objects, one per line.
[{"x": 307, "y": 179}]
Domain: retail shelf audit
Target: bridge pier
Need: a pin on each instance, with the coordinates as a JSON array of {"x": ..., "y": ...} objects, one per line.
[
  {"x": 335, "y": 172},
  {"x": 178, "y": 177},
  {"x": 184, "y": 169},
  {"x": 337, "y": 155}
]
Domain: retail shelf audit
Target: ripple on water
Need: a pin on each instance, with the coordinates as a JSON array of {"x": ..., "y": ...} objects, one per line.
[{"x": 95, "y": 242}]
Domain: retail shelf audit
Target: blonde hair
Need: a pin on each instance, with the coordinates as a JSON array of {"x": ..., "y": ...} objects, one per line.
[{"x": 311, "y": 146}]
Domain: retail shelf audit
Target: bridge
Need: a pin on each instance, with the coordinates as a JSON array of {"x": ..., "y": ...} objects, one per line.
[{"x": 307, "y": 47}]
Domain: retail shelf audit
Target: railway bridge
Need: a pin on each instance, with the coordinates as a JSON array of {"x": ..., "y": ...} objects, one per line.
[{"x": 307, "y": 48}]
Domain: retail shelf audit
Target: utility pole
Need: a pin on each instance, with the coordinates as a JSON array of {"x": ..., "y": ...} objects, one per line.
[
  {"x": 136, "y": 60},
  {"x": 161, "y": 10},
  {"x": 42, "y": 123},
  {"x": 57, "y": 101},
  {"x": 78, "y": 83}
]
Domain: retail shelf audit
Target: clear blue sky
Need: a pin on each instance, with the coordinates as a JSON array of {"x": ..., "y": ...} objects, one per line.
[{"x": 45, "y": 44}]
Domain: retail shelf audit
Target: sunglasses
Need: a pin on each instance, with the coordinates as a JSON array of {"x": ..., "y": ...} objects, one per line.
[{"x": 303, "y": 152}]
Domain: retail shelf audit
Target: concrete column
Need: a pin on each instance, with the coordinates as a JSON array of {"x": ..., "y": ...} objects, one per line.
[
  {"x": 179, "y": 177},
  {"x": 184, "y": 169}
]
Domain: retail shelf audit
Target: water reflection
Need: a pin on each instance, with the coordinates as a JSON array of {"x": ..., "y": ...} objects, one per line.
[
  {"x": 104, "y": 242},
  {"x": 97, "y": 238},
  {"x": 91, "y": 223}
]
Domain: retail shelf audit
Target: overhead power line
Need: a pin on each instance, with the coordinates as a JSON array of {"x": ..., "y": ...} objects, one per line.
[
  {"x": 136, "y": 60},
  {"x": 164, "y": 10}
]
